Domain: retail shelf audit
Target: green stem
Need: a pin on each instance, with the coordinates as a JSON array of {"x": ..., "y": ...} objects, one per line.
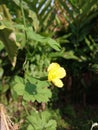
[
  {"x": 24, "y": 20},
  {"x": 25, "y": 109}
]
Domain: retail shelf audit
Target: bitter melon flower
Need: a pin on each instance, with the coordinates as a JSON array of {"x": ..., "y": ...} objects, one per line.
[{"x": 55, "y": 74}]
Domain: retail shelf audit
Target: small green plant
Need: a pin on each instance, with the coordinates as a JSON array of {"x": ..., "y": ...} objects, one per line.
[{"x": 41, "y": 121}]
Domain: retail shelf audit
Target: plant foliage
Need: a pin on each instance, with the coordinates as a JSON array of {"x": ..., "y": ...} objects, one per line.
[{"x": 34, "y": 33}]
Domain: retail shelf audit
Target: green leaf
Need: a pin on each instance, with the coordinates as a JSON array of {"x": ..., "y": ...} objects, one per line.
[
  {"x": 25, "y": 5},
  {"x": 41, "y": 121},
  {"x": 70, "y": 55},
  {"x": 17, "y": 2},
  {"x": 30, "y": 92},
  {"x": 8, "y": 37},
  {"x": 19, "y": 86},
  {"x": 1, "y": 72},
  {"x": 51, "y": 125},
  {"x": 37, "y": 91},
  {"x": 5, "y": 88},
  {"x": 39, "y": 38},
  {"x": 34, "y": 18},
  {"x": 53, "y": 44},
  {"x": 30, "y": 127},
  {"x": 32, "y": 89}
]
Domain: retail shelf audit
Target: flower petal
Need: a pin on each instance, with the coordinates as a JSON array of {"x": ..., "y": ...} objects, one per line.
[
  {"x": 58, "y": 83},
  {"x": 60, "y": 73},
  {"x": 50, "y": 76},
  {"x": 53, "y": 66}
]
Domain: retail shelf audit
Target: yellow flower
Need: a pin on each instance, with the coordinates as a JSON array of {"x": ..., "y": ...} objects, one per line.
[{"x": 55, "y": 74}]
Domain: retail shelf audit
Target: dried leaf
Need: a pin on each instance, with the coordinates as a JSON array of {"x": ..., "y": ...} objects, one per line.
[
  {"x": 8, "y": 37},
  {"x": 5, "y": 122}
]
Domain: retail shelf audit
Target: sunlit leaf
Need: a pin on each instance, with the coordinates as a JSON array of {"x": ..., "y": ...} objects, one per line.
[
  {"x": 34, "y": 18},
  {"x": 37, "y": 92},
  {"x": 32, "y": 91}
]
